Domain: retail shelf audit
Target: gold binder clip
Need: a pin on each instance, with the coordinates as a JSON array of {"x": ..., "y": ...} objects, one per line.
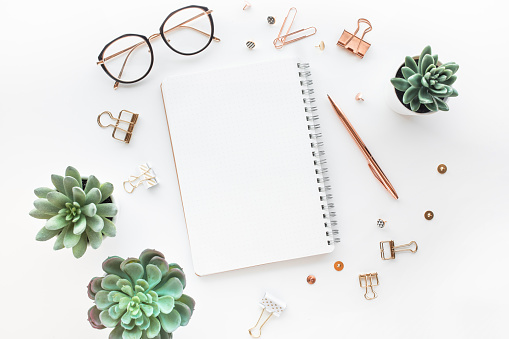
[
  {"x": 127, "y": 124},
  {"x": 393, "y": 249},
  {"x": 353, "y": 43},
  {"x": 280, "y": 41},
  {"x": 146, "y": 177},
  {"x": 270, "y": 305},
  {"x": 369, "y": 280}
]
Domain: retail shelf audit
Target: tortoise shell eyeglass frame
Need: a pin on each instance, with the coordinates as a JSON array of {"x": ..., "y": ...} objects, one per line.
[{"x": 146, "y": 41}]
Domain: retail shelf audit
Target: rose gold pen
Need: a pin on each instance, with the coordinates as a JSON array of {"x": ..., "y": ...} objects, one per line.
[{"x": 377, "y": 171}]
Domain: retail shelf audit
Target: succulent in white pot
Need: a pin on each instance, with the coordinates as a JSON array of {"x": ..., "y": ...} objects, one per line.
[
  {"x": 422, "y": 85},
  {"x": 79, "y": 211}
]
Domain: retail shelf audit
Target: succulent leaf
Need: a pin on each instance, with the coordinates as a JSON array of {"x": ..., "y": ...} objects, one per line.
[
  {"x": 410, "y": 94},
  {"x": 426, "y": 62},
  {"x": 415, "y": 80},
  {"x": 432, "y": 107},
  {"x": 154, "y": 275},
  {"x": 92, "y": 182},
  {"x": 407, "y": 72},
  {"x": 184, "y": 311},
  {"x": 441, "y": 104},
  {"x": 58, "y": 199},
  {"x": 109, "y": 228},
  {"x": 424, "y": 96},
  {"x": 117, "y": 332},
  {"x": 73, "y": 172},
  {"x": 93, "y": 196},
  {"x": 134, "y": 270},
  {"x": 45, "y": 234},
  {"x": 35, "y": 213},
  {"x": 58, "y": 182},
  {"x": 96, "y": 223},
  {"x": 452, "y": 66},
  {"x": 154, "y": 327},
  {"x": 69, "y": 183},
  {"x": 41, "y": 192},
  {"x": 89, "y": 210},
  {"x": 80, "y": 247},
  {"x": 107, "y": 320},
  {"x": 71, "y": 239},
  {"x": 59, "y": 243},
  {"x": 57, "y": 222},
  {"x": 106, "y": 190},
  {"x": 410, "y": 63},
  {"x": 171, "y": 321},
  {"x": 78, "y": 195},
  {"x": 425, "y": 51},
  {"x": 172, "y": 287},
  {"x": 415, "y": 104},
  {"x": 80, "y": 225},
  {"x": 107, "y": 210},
  {"x": 45, "y": 206},
  {"x": 95, "y": 238},
  {"x": 400, "y": 84},
  {"x": 94, "y": 318}
]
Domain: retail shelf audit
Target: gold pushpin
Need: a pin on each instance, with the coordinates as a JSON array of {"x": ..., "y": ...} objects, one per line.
[{"x": 321, "y": 46}]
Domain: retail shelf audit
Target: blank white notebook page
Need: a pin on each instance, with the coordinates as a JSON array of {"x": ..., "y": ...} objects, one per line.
[{"x": 245, "y": 166}]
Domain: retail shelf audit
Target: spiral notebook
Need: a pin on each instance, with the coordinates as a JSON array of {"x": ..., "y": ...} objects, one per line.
[{"x": 249, "y": 162}]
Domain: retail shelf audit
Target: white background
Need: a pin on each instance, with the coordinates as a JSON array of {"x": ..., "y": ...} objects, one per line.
[{"x": 454, "y": 286}]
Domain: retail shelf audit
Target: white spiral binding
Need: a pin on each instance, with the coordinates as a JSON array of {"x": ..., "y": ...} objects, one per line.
[{"x": 318, "y": 154}]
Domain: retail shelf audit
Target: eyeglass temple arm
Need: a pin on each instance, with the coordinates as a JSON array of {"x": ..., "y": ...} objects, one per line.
[
  {"x": 157, "y": 35},
  {"x": 115, "y": 86}
]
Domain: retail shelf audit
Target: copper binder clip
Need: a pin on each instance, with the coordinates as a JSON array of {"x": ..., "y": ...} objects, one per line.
[
  {"x": 128, "y": 125},
  {"x": 393, "y": 249},
  {"x": 147, "y": 177},
  {"x": 368, "y": 281},
  {"x": 270, "y": 305},
  {"x": 353, "y": 43},
  {"x": 281, "y": 41}
]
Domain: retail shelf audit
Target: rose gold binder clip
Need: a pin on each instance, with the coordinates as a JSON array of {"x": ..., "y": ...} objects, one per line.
[
  {"x": 146, "y": 177},
  {"x": 128, "y": 125},
  {"x": 367, "y": 281},
  {"x": 281, "y": 39},
  {"x": 393, "y": 249},
  {"x": 271, "y": 306},
  {"x": 353, "y": 43}
]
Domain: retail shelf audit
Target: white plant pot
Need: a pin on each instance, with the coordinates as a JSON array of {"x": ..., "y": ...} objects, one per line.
[{"x": 393, "y": 101}]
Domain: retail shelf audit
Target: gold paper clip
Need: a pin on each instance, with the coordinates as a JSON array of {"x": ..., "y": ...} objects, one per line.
[
  {"x": 370, "y": 280},
  {"x": 270, "y": 305},
  {"x": 353, "y": 43},
  {"x": 146, "y": 177},
  {"x": 280, "y": 41},
  {"x": 129, "y": 124},
  {"x": 394, "y": 249}
]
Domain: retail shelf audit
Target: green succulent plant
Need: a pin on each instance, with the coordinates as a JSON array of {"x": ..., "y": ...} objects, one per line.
[
  {"x": 426, "y": 82},
  {"x": 77, "y": 214},
  {"x": 140, "y": 298}
]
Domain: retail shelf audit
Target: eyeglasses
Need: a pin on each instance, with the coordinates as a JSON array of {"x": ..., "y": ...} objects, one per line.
[{"x": 129, "y": 58}]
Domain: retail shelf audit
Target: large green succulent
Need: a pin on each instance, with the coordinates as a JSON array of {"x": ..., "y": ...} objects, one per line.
[
  {"x": 140, "y": 298},
  {"x": 77, "y": 213},
  {"x": 426, "y": 82}
]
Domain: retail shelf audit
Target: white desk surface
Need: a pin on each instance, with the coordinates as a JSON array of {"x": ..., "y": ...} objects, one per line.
[{"x": 454, "y": 286}]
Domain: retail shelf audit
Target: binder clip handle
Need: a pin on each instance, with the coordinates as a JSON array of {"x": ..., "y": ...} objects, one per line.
[
  {"x": 99, "y": 119},
  {"x": 256, "y": 331},
  {"x": 368, "y": 29}
]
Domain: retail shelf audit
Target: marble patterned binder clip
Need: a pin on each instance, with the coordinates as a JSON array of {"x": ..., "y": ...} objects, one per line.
[
  {"x": 147, "y": 177},
  {"x": 270, "y": 306}
]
